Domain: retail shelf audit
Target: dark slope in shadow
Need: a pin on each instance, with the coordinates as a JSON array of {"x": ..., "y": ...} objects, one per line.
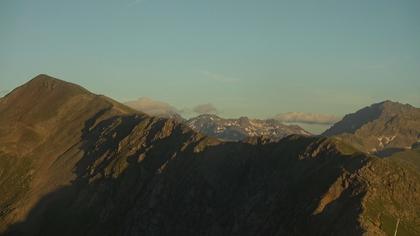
[
  {"x": 150, "y": 176},
  {"x": 352, "y": 122},
  {"x": 388, "y": 152}
]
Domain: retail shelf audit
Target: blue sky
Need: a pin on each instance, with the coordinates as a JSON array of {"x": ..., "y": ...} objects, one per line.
[{"x": 255, "y": 58}]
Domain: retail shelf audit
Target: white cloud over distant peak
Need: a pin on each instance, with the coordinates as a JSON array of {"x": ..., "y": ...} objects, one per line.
[
  {"x": 163, "y": 109},
  {"x": 307, "y": 118},
  {"x": 152, "y": 107},
  {"x": 207, "y": 108}
]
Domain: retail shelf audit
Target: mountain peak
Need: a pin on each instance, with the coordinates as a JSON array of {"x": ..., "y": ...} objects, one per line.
[
  {"x": 387, "y": 104},
  {"x": 45, "y": 77},
  {"x": 43, "y": 97},
  {"x": 352, "y": 122},
  {"x": 43, "y": 82},
  {"x": 44, "y": 89},
  {"x": 396, "y": 106},
  {"x": 380, "y": 126}
]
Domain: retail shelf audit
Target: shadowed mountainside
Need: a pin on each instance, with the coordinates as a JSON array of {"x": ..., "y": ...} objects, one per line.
[{"x": 75, "y": 163}]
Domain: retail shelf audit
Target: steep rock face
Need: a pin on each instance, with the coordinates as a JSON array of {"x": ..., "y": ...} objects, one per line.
[
  {"x": 242, "y": 128},
  {"x": 380, "y": 128},
  {"x": 102, "y": 169}
]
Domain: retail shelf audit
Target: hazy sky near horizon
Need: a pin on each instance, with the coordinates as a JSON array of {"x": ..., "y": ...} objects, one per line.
[{"x": 255, "y": 58}]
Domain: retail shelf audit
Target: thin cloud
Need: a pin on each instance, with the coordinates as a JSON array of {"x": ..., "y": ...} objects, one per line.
[
  {"x": 307, "y": 118},
  {"x": 152, "y": 107},
  {"x": 207, "y": 108},
  {"x": 163, "y": 109},
  {"x": 218, "y": 77}
]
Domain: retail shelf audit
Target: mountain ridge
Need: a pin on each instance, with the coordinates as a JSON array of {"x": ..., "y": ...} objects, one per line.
[{"x": 99, "y": 168}]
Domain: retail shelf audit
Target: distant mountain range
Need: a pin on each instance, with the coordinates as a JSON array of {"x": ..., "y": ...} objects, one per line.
[
  {"x": 76, "y": 163},
  {"x": 214, "y": 126},
  {"x": 242, "y": 128}
]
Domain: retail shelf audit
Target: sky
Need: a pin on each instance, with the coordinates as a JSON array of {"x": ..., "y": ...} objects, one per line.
[{"x": 254, "y": 58}]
